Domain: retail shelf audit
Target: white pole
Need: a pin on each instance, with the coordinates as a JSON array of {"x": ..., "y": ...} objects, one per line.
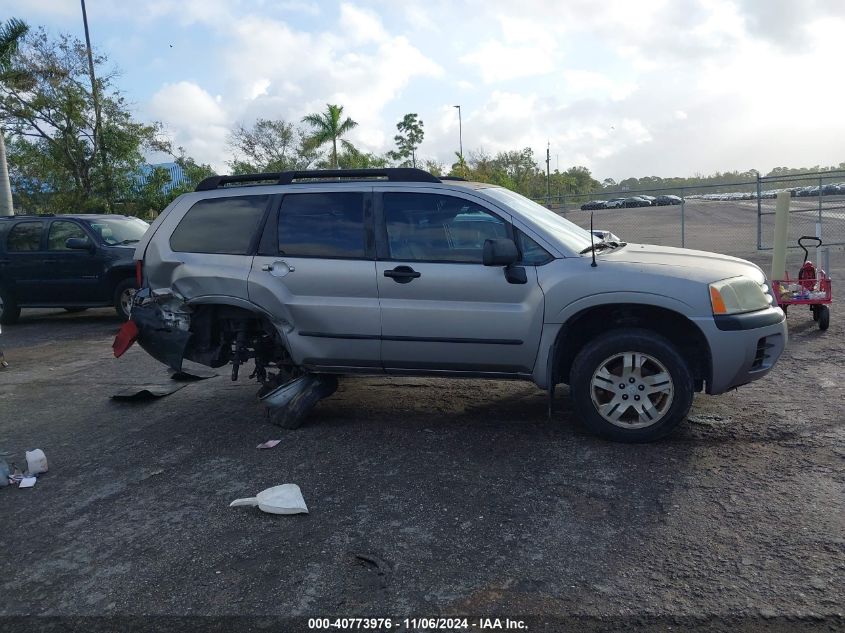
[
  {"x": 6, "y": 207},
  {"x": 781, "y": 226}
]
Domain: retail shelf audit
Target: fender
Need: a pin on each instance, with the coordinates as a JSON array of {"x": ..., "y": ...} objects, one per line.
[
  {"x": 621, "y": 298},
  {"x": 555, "y": 328}
]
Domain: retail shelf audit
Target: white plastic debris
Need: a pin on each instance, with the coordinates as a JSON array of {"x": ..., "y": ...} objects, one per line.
[
  {"x": 268, "y": 444},
  {"x": 36, "y": 462},
  {"x": 27, "y": 482},
  {"x": 284, "y": 499}
]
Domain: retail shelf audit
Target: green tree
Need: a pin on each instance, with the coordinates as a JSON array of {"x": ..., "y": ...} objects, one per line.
[
  {"x": 351, "y": 158},
  {"x": 47, "y": 104},
  {"x": 408, "y": 140},
  {"x": 330, "y": 126},
  {"x": 12, "y": 33},
  {"x": 269, "y": 145}
]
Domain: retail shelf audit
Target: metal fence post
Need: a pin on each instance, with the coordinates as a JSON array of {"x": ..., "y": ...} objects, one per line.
[
  {"x": 683, "y": 225},
  {"x": 759, "y": 213}
]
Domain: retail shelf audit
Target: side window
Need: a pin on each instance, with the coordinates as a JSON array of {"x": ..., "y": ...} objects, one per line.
[
  {"x": 434, "y": 227},
  {"x": 60, "y": 232},
  {"x": 322, "y": 225},
  {"x": 24, "y": 237},
  {"x": 223, "y": 226},
  {"x": 532, "y": 253}
]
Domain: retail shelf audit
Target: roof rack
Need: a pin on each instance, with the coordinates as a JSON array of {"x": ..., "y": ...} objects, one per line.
[
  {"x": 392, "y": 174},
  {"x": 452, "y": 178}
]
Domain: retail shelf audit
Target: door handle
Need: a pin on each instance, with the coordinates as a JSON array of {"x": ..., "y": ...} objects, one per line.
[
  {"x": 402, "y": 274},
  {"x": 278, "y": 268}
]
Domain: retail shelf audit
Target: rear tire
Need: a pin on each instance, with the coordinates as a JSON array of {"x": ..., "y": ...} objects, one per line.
[
  {"x": 9, "y": 309},
  {"x": 123, "y": 294},
  {"x": 631, "y": 385}
]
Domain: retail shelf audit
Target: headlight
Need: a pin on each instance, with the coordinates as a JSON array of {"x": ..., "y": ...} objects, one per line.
[{"x": 739, "y": 294}]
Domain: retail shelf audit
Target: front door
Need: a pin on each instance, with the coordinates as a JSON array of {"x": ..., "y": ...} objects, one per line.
[
  {"x": 315, "y": 268},
  {"x": 441, "y": 308},
  {"x": 75, "y": 274}
]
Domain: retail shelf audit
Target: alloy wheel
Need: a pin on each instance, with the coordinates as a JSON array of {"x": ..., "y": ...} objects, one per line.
[{"x": 632, "y": 390}]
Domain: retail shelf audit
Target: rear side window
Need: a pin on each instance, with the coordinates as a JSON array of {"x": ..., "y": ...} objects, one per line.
[
  {"x": 24, "y": 237},
  {"x": 223, "y": 226},
  {"x": 322, "y": 225}
]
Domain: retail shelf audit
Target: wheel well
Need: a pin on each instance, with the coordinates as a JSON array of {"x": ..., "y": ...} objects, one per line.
[
  {"x": 116, "y": 275},
  {"x": 592, "y": 322}
]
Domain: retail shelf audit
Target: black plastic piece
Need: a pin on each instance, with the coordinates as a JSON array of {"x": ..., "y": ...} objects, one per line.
[
  {"x": 747, "y": 321},
  {"x": 516, "y": 275},
  {"x": 391, "y": 174}
]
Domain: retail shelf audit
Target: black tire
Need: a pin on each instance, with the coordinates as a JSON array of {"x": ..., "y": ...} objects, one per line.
[
  {"x": 10, "y": 312},
  {"x": 814, "y": 310},
  {"x": 75, "y": 310},
  {"x": 118, "y": 298},
  {"x": 824, "y": 317},
  {"x": 676, "y": 402}
]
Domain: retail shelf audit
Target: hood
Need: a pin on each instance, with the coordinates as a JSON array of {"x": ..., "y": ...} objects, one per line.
[{"x": 701, "y": 265}]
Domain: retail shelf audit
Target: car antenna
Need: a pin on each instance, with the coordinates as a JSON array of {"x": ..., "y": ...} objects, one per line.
[{"x": 592, "y": 241}]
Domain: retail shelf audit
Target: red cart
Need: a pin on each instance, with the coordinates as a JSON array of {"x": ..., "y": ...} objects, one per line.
[{"x": 812, "y": 288}]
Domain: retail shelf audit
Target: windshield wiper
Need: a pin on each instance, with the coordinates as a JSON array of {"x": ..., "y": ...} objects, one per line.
[{"x": 126, "y": 242}]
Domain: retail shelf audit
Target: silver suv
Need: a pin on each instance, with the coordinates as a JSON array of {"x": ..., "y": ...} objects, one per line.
[{"x": 395, "y": 271}]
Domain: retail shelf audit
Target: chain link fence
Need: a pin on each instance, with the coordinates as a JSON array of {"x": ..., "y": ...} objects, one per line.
[{"x": 735, "y": 218}]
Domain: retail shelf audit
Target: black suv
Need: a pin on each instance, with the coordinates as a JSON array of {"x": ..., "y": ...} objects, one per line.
[{"x": 67, "y": 261}]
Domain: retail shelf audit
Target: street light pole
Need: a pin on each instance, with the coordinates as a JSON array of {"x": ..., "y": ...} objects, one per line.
[
  {"x": 95, "y": 96},
  {"x": 460, "y": 136}
]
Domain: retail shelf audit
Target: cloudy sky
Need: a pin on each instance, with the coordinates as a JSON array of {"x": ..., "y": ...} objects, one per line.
[{"x": 652, "y": 87}]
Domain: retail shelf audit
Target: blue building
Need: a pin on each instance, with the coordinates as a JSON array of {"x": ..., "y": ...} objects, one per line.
[{"x": 177, "y": 175}]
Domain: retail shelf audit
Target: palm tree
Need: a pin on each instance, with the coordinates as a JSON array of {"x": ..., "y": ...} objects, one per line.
[
  {"x": 11, "y": 34},
  {"x": 328, "y": 126}
]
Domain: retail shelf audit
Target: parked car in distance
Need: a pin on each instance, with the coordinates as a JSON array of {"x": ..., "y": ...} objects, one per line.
[
  {"x": 593, "y": 205},
  {"x": 615, "y": 203},
  {"x": 393, "y": 271},
  {"x": 635, "y": 201},
  {"x": 661, "y": 201},
  {"x": 67, "y": 261}
]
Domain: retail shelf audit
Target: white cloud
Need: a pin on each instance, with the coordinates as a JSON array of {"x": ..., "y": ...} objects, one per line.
[
  {"x": 195, "y": 119},
  {"x": 653, "y": 87}
]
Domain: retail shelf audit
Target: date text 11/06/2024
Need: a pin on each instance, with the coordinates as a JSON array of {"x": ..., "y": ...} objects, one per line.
[{"x": 418, "y": 624}]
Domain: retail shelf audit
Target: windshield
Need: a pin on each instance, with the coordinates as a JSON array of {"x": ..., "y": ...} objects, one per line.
[
  {"x": 115, "y": 231},
  {"x": 572, "y": 235}
]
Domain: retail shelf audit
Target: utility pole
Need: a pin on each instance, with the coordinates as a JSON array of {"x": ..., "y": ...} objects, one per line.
[
  {"x": 95, "y": 96},
  {"x": 548, "y": 174},
  {"x": 460, "y": 137}
]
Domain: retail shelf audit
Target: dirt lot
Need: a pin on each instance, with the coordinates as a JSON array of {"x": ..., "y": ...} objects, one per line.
[{"x": 427, "y": 497}]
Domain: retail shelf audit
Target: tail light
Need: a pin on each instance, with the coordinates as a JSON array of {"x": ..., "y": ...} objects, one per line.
[{"x": 139, "y": 271}]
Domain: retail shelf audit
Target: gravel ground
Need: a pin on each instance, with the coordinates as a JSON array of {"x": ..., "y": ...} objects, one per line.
[{"x": 427, "y": 497}]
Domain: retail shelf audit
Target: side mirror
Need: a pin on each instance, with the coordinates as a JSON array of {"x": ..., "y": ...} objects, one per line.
[
  {"x": 502, "y": 252},
  {"x": 80, "y": 244}
]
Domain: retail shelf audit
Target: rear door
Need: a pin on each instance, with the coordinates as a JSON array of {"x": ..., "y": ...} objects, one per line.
[
  {"x": 441, "y": 308},
  {"x": 209, "y": 254},
  {"x": 24, "y": 262},
  {"x": 315, "y": 269}
]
